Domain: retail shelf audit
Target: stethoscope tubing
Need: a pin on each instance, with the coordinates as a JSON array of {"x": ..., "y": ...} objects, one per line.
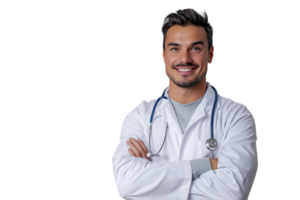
[
  {"x": 211, "y": 125},
  {"x": 151, "y": 154},
  {"x": 212, "y": 114}
]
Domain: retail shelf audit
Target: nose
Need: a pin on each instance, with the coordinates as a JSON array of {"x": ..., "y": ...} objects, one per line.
[{"x": 185, "y": 57}]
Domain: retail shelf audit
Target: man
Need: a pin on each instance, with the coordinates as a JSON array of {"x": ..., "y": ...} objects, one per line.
[{"x": 190, "y": 170}]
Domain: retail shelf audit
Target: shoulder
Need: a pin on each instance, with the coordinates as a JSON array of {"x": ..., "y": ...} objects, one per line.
[
  {"x": 142, "y": 106},
  {"x": 142, "y": 110},
  {"x": 229, "y": 105},
  {"x": 233, "y": 111},
  {"x": 234, "y": 107}
]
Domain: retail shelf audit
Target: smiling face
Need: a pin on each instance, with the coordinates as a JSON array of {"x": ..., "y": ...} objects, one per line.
[{"x": 186, "y": 55}]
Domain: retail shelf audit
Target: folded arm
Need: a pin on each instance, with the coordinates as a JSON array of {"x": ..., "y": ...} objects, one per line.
[
  {"x": 237, "y": 164},
  {"x": 138, "y": 178},
  {"x": 199, "y": 166}
]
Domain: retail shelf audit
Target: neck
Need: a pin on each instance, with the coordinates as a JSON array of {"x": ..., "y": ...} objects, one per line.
[{"x": 187, "y": 95}]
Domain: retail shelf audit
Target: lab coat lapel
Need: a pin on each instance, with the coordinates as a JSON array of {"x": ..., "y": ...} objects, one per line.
[
  {"x": 173, "y": 118},
  {"x": 205, "y": 105}
]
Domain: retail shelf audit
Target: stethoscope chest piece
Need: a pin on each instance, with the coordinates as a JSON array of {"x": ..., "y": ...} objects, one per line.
[{"x": 211, "y": 144}]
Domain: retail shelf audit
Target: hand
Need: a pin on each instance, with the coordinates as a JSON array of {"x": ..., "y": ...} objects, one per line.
[
  {"x": 137, "y": 148},
  {"x": 214, "y": 163}
]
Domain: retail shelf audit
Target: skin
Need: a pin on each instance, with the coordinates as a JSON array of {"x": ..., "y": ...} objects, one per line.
[
  {"x": 137, "y": 148},
  {"x": 185, "y": 47},
  {"x": 188, "y": 88}
]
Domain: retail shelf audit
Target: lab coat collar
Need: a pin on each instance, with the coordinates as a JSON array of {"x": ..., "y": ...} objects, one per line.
[
  {"x": 207, "y": 101},
  {"x": 201, "y": 111}
]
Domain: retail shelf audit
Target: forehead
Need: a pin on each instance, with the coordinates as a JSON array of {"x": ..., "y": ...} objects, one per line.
[{"x": 186, "y": 34}]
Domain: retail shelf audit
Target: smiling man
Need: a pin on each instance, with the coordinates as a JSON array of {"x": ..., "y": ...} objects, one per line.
[
  {"x": 191, "y": 143},
  {"x": 186, "y": 55}
]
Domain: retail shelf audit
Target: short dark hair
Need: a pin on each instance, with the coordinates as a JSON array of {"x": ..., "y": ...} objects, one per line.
[{"x": 188, "y": 17}]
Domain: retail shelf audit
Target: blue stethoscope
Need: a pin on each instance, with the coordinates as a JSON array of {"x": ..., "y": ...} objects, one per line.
[{"x": 211, "y": 144}]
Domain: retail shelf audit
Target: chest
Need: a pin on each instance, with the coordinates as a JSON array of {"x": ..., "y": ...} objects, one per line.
[{"x": 166, "y": 136}]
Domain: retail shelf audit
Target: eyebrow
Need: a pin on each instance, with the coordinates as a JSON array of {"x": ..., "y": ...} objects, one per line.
[{"x": 176, "y": 44}]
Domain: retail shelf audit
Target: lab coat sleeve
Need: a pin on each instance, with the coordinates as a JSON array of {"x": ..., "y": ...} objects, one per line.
[
  {"x": 139, "y": 178},
  {"x": 237, "y": 163}
]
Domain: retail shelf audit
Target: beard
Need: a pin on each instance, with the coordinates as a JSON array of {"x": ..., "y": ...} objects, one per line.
[{"x": 186, "y": 83}]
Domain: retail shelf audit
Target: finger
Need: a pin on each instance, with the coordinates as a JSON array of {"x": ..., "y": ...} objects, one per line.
[
  {"x": 143, "y": 146},
  {"x": 131, "y": 152},
  {"x": 133, "y": 148},
  {"x": 137, "y": 148},
  {"x": 140, "y": 151}
]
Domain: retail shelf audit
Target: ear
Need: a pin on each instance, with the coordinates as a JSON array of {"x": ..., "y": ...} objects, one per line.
[
  {"x": 211, "y": 54},
  {"x": 162, "y": 55}
]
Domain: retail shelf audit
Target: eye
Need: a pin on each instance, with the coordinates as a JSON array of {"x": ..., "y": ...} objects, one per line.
[
  {"x": 193, "y": 48},
  {"x": 196, "y": 48},
  {"x": 174, "y": 49}
]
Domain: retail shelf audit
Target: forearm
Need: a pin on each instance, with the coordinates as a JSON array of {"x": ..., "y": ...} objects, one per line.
[{"x": 138, "y": 178}]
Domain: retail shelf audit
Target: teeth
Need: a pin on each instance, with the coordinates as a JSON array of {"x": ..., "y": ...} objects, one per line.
[{"x": 184, "y": 70}]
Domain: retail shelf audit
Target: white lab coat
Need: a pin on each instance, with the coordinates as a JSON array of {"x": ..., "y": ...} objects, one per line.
[{"x": 169, "y": 177}]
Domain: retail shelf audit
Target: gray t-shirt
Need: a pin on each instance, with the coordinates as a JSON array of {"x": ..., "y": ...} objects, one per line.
[{"x": 184, "y": 113}]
